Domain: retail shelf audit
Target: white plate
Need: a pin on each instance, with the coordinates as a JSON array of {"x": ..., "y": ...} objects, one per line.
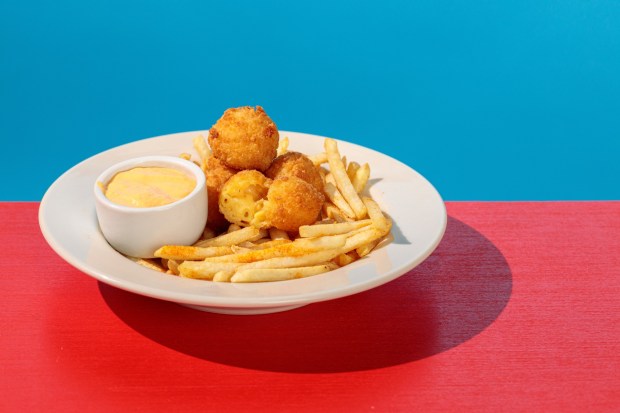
[{"x": 69, "y": 224}]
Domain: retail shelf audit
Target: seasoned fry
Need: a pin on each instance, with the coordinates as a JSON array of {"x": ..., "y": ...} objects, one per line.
[
  {"x": 290, "y": 249},
  {"x": 275, "y": 234},
  {"x": 334, "y": 195},
  {"x": 376, "y": 215},
  {"x": 344, "y": 259},
  {"x": 319, "y": 230},
  {"x": 352, "y": 169},
  {"x": 182, "y": 252},
  {"x": 343, "y": 182},
  {"x": 233, "y": 238},
  {"x": 361, "y": 178},
  {"x": 367, "y": 248},
  {"x": 223, "y": 276},
  {"x": 281, "y": 274},
  {"x": 150, "y": 264},
  {"x": 205, "y": 270},
  {"x": 282, "y": 146},
  {"x": 331, "y": 211},
  {"x": 204, "y": 152},
  {"x": 319, "y": 158}
]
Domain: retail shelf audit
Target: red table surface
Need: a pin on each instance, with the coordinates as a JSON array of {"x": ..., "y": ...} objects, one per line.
[{"x": 517, "y": 310}]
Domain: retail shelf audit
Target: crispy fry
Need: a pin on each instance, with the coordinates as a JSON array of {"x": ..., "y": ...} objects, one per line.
[
  {"x": 204, "y": 152},
  {"x": 344, "y": 259},
  {"x": 319, "y": 230},
  {"x": 233, "y": 238},
  {"x": 150, "y": 264},
  {"x": 233, "y": 227},
  {"x": 183, "y": 252},
  {"x": 290, "y": 249},
  {"x": 334, "y": 195},
  {"x": 281, "y": 274},
  {"x": 343, "y": 182},
  {"x": 319, "y": 158},
  {"x": 207, "y": 233},
  {"x": 173, "y": 266},
  {"x": 282, "y": 146},
  {"x": 275, "y": 234},
  {"x": 376, "y": 215},
  {"x": 352, "y": 168},
  {"x": 367, "y": 248},
  {"x": 223, "y": 276},
  {"x": 205, "y": 270},
  {"x": 361, "y": 178}
]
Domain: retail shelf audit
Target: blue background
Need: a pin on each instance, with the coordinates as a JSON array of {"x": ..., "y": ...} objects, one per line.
[{"x": 490, "y": 100}]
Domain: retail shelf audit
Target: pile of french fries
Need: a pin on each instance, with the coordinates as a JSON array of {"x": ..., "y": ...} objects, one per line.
[{"x": 350, "y": 227}]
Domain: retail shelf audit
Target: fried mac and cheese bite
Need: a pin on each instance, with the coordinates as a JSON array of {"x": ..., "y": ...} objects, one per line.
[
  {"x": 291, "y": 202},
  {"x": 242, "y": 197},
  {"x": 298, "y": 165},
  {"x": 245, "y": 138}
]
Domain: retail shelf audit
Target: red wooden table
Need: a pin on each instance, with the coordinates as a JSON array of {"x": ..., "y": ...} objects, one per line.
[{"x": 517, "y": 310}]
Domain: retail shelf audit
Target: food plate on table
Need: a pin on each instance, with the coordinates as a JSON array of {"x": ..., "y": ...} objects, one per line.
[{"x": 69, "y": 224}]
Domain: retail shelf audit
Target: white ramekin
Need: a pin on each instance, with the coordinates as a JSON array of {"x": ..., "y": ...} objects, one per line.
[{"x": 139, "y": 232}]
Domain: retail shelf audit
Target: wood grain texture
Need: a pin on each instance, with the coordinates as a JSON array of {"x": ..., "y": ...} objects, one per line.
[{"x": 517, "y": 310}]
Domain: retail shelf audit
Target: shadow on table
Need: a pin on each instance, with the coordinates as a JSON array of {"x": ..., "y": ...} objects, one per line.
[{"x": 451, "y": 297}]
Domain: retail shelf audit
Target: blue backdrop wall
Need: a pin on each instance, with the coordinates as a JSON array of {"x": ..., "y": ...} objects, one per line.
[{"x": 490, "y": 100}]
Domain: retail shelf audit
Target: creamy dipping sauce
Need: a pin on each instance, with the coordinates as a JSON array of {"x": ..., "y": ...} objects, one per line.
[{"x": 144, "y": 187}]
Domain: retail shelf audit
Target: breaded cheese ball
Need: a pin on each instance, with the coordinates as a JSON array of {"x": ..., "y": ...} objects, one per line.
[
  {"x": 296, "y": 164},
  {"x": 245, "y": 138},
  {"x": 217, "y": 173},
  {"x": 291, "y": 202},
  {"x": 242, "y": 196}
]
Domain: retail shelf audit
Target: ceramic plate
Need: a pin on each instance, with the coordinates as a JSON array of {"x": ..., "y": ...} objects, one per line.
[{"x": 69, "y": 224}]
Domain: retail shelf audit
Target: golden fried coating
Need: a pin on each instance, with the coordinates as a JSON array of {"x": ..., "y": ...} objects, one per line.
[
  {"x": 291, "y": 202},
  {"x": 296, "y": 164},
  {"x": 217, "y": 173},
  {"x": 244, "y": 138},
  {"x": 242, "y": 196}
]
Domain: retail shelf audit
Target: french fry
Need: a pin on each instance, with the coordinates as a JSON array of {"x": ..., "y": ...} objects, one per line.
[
  {"x": 352, "y": 168},
  {"x": 233, "y": 238},
  {"x": 183, "y": 252},
  {"x": 275, "y": 234},
  {"x": 319, "y": 158},
  {"x": 361, "y": 178},
  {"x": 282, "y": 146},
  {"x": 318, "y": 230},
  {"x": 280, "y": 274},
  {"x": 185, "y": 156},
  {"x": 343, "y": 183},
  {"x": 331, "y": 211},
  {"x": 223, "y": 276},
  {"x": 205, "y": 270},
  {"x": 344, "y": 259},
  {"x": 290, "y": 249},
  {"x": 336, "y": 197},
  {"x": 204, "y": 152},
  {"x": 233, "y": 227},
  {"x": 150, "y": 264},
  {"x": 207, "y": 233},
  {"x": 173, "y": 266},
  {"x": 264, "y": 245},
  {"x": 376, "y": 215},
  {"x": 367, "y": 248}
]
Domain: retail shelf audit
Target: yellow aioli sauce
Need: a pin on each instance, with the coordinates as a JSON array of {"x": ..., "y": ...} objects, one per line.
[{"x": 144, "y": 187}]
